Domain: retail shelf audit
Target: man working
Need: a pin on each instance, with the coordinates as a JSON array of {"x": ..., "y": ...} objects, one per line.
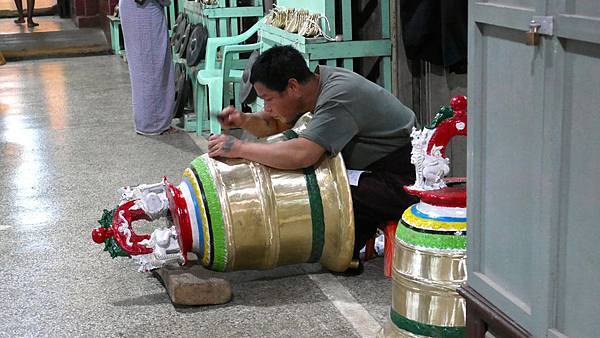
[{"x": 351, "y": 115}]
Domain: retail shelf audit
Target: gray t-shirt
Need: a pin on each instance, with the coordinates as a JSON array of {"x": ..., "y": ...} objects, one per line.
[{"x": 357, "y": 117}]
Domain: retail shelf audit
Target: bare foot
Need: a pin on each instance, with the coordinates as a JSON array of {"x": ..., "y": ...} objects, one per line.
[
  {"x": 19, "y": 21},
  {"x": 32, "y": 24}
]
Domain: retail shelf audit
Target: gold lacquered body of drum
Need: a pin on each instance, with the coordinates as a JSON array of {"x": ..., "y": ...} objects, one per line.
[{"x": 274, "y": 217}]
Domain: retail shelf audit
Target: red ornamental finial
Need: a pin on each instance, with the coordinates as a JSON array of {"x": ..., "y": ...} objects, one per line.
[
  {"x": 101, "y": 234},
  {"x": 459, "y": 103}
]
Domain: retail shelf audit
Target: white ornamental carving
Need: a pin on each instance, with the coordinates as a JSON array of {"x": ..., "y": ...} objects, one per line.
[{"x": 430, "y": 169}]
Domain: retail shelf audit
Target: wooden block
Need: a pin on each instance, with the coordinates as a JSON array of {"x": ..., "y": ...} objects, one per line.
[{"x": 194, "y": 286}]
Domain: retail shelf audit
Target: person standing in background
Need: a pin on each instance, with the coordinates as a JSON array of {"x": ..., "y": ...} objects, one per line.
[
  {"x": 21, "y": 18},
  {"x": 150, "y": 65}
]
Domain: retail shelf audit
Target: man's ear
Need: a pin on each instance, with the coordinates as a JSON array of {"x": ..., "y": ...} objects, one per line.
[{"x": 294, "y": 86}]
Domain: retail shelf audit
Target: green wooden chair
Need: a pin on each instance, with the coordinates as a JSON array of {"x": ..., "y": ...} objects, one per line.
[{"x": 217, "y": 83}]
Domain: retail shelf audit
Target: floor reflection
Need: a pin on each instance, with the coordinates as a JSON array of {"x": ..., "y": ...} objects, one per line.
[
  {"x": 10, "y": 101},
  {"x": 53, "y": 81},
  {"x": 23, "y": 139},
  {"x": 29, "y": 205}
]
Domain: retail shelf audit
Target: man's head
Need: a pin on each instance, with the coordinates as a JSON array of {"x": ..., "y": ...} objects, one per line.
[{"x": 279, "y": 75}]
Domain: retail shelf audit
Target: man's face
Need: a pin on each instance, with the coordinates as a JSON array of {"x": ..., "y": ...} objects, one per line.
[{"x": 281, "y": 106}]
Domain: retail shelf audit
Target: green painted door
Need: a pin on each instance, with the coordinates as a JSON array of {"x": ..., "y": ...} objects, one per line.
[{"x": 534, "y": 163}]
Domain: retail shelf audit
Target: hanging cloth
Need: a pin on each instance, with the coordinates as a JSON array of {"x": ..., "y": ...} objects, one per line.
[{"x": 436, "y": 31}]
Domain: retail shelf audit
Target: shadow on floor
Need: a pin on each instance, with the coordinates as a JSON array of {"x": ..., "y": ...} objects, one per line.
[
  {"x": 146, "y": 300},
  {"x": 281, "y": 286},
  {"x": 181, "y": 140}
]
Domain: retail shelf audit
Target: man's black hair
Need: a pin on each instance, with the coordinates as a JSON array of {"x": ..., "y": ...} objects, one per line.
[{"x": 277, "y": 65}]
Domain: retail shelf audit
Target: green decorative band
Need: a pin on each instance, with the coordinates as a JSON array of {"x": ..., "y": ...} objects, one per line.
[
  {"x": 216, "y": 216},
  {"x": 316, "y": 214},
  {"x": 426, "y": 329},
  {"x": 316, "y": 208},
  {"x": 427, "y": 240}
]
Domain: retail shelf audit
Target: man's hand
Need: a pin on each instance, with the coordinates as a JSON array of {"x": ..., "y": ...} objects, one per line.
[
  {"x": 223, "y": 146},
  {"x": 231, "y": 118}
]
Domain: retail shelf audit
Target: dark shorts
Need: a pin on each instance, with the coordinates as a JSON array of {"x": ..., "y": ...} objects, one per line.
[{"x": 379, "y": 196}]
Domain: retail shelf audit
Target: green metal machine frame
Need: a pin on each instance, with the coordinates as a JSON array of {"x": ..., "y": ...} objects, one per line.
[
  {"x": 320, "y": 50},
  {"x": 116, "y": 45},
  {"x": 223, "y": 21}
]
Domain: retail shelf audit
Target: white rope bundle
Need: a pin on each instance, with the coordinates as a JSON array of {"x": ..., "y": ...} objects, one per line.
[
  {"x": 278, "y": 16},
  {"x": 299, "y": 21}
]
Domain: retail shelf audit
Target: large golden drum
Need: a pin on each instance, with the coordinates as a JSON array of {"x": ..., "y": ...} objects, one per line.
[
  {"x": 431, "y": 238},
  {"x": 244, "y": 215},
  {"x": 429, "y": 265},
  {"x": 237, "y": 214}
]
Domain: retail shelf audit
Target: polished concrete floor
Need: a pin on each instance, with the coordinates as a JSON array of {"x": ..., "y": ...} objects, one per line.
[{"x": 66, "y": 144}]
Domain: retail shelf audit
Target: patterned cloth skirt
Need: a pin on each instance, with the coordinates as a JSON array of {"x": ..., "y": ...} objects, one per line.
[{"x": 150, "y": 65}]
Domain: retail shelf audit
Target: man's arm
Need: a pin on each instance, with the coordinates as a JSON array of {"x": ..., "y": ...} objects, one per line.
[
  {"x": 292, "y": 154},
  {"x": 258, "y": 124}
]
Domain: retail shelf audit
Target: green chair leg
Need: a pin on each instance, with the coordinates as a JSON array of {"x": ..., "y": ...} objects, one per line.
[
  {"x": 215, "y": 103},
  {"x": 201, "y": 109}
]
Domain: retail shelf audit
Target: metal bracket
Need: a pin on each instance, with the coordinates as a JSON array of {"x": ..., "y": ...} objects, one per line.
[{"x": 546, "y": 24}]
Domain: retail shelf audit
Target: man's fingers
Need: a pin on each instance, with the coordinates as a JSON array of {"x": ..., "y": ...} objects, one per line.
[
  {"x": 214, "y": 151},
  {"x": 224, "y": 120},
  {"x": 215, "y": 145},
  {"x": 221, "y": 145},
  {"x": 228, "y": 116},
  {"x": 212, "y": 144}
]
